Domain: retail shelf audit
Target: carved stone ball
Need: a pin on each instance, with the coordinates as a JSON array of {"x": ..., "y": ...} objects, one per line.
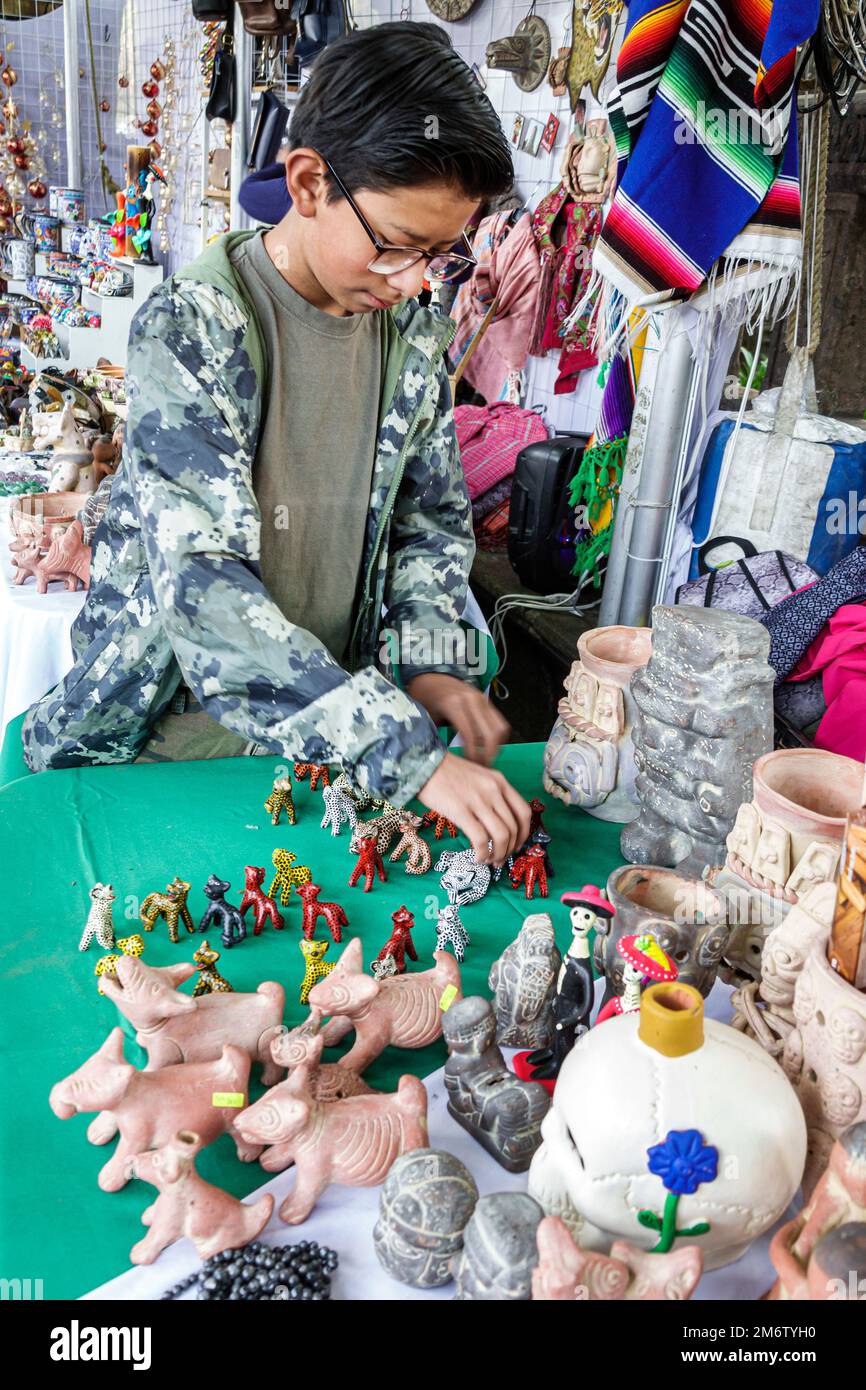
[{"x": 426, "y": 1201}]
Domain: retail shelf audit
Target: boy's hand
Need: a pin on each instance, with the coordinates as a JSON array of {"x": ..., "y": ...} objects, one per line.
[
  {"x": 484, "y": 805},
  {"x": 448, "y": 700}
]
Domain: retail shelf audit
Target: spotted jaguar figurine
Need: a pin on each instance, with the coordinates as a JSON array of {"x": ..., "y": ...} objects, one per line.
[
  {"x": 382, "y": 828},
  {"x": 465, "y": 880},
  {"x": 226, "y": 916},
  {"x": 99, "y": 922},
  {"x": 170, "y": 905},
  {"x": 338, "y": 808},
  {"x": 450, "y": 931},
  {"x": 417, "y": 851},
  {"x": 128, "y": 946},
  {"x": 209, "y": 981},
  {"x": 281, "y": 800},
  {"x": 316, "y": 967},
  {"x": 441, "y": 824},
  {"x": 288, "y": 875},
  {"x": 317, "y": 772}
]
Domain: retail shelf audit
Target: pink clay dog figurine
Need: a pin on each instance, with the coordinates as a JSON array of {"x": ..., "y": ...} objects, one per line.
[
  {"x": 349, "y": 1141},
  {"x": 566, "y": 1273},
  {"x": 302, "y": 1047},
  {"x": 189, "y": 1206},
  {"x": 150, "y": 1107},
  {"x": 400, "y": 1010}
]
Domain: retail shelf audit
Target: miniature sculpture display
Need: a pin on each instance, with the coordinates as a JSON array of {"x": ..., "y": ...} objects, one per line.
[
  {"x": 645, "y": 963},
  {"x": 536, "y": 823},
  {"x": 566, "y": 1273},
  {"x": 362, "y": 800},
  {"x": 400, "y": 943},
  {"x": 704, "y": 715},
  {"x": 335, "y": 917},
  {"x": 315, "y": 965},
  {"x": 492, "y": 1104},
  {"x": 107, "y": 965},
  {"x": 499, "y": 1249},
  {"x": 264, "y": 908},
  {"x": 281, "y": 800},
  {"x": 589, "y": 757},
  {"x": 351, "y": 1141},
  {"x": 382, "y": 828},
  {"x": 67, "y": 559},
  {"x": 316, "y": 772},
  {"x": 302, "y": 1047},
  {"x": 417, "y": 851},
  {"x": 839, "y": 1199},
  {"x": 523, "y": 981},
  {"x": 148, "y": 1107},
  {"x": 401, "y": 1011},
  {"x": 288, "y": 875},
  {"x": 171, "y": 906},
  {"x": 528, "y": 869},
  {"x": 687, "y": 918},
  {"x": 441, "y": 824},
  {"x": 338, "y": 808},
  {"x": 188, "y": 1206},
  {"x": 224, "y": 915},
  {"x": 369, "y": 863},
  {"x": 99, "y": 920},
  {"x": 174, "y": 1027},
  {"x": 209, "y": 981},
  {"x": 539, "y": 839},
  {"x": 619, "y": 1137},
  {"x": 425, "y": 1204},
  {"x": 450, "y": 931},
  {"x": 464, "y": 880}
]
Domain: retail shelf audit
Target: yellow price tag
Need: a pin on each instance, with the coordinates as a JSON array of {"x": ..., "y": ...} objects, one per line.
[
  {"x": 228, "y": 1100},
  {"x": 449, "y": 994}
]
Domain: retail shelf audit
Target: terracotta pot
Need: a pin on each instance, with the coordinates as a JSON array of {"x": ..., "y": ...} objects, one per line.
[
  {"x": 35, "y": 515},
  {"x": 589, "y": 758}
]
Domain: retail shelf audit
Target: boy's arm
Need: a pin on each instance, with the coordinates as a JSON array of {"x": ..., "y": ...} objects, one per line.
[{"x": 190, "y": 445}]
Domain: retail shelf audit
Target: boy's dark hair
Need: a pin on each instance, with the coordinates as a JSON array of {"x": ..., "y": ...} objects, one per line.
[{"x": 394, "y": 106}]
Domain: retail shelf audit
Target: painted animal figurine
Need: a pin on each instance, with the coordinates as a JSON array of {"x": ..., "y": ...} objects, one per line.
[
  {"x": 99, "y": 921},
  {"x": 401, "y": 1011},
  {"x": 224, "y": 914},
  {"x": 383, "y": 969},
  {"x": 338, "y": 808},
  {"x": 317, "y": 772},
  {"x": 441, "y": 824},
  {"x": 450, "y": 931},
  {"x": 353, "y": 1141},
  {"x": 107, "y": 965},
  {"x": 209, "y": 981},
  {"x": 528, "y": 869},
  {"x": 315, "y": 967},
  {"x": 538, "y": 809},
  {"x": 335, "y": 917},
  {"x": 148, "y": 1108},
  {"x": 303, "y": 1047},
  {"x": 363, "y": 800},
  {"x": 565, "y": 1273},
  {"x": 171, "y": 906},
  {"x": 410, "y": 843},
  {"x": 288, "y": 875},
  {"x": 281, "y": 800},
  {"x": 369, "y": 863},
  {"x": 400, "y": 942},
  {"x": 188, "y": 1206},
  {"x": 465, "y": 880},
  {"x": 383, "y": 827},
  {"x": 264, "y": 908},
  {"x": 67, "y": 559}
]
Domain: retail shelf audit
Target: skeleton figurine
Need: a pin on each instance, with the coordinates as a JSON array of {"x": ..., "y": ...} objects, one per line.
[
  {"x": 450, "y": 931},
  {"x": 574, "y": 986},
  {"x": 523, "y": 981},
  {"x": 500, "y": 1249},
  {"x": 465, "y": 880}
]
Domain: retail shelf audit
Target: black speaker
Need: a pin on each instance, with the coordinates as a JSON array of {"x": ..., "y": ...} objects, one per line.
[{"x": 541, "y": 531}]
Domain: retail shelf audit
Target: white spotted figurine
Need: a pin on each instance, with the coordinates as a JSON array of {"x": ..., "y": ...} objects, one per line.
[{"x": 99, "y": 922}]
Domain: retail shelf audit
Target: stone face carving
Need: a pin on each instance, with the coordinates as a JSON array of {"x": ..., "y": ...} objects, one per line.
[
  {"x": 499, "y": 1249},
  {"x": 523, "y": 981},
  {"x": 426, "y": 1202},
  {"x": 566, "y": 1273},
  {"x": 704, "y": 715},
  {"x": 589, "y": 758},
  {"x": 838, "y": 1200}
]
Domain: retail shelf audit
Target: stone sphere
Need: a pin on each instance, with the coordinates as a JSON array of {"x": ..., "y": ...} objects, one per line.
[{"x": 425, "y": 1204}]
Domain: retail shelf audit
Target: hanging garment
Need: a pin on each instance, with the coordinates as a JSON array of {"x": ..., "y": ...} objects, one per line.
[
  {"x": 489, "y": 438},
  {"x": 839, "y": 654},
  {"x": 795, "y": 623},
  {"x": 565, "y": 232},
  {"x": 509, "y": 273}
]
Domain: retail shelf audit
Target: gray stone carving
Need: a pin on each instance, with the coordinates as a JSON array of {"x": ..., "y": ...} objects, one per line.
[
  {"x": 523, "y": 981},
  {"x": 426, "y": 1201},
  {"x": 499, "y": 1249}
]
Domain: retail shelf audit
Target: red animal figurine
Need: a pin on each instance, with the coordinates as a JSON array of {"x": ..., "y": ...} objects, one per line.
[
  {"x": 440, "y": 824},
  {"x": 537, "y": 808},
  {"x": 369, "y": 863},
  {"x": 264, "y": 908},
  {"x": 400, "y": 941},
  {"x": 528, "y": 869},
  {"x": 335, "y": 917},
  {"x": 317, "y": 772}
]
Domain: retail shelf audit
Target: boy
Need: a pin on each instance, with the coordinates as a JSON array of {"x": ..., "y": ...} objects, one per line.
[{"x": 291, "y": 467}]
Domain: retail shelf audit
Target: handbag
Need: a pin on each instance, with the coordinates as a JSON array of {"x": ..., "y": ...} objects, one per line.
[
  {"x": 223, "y": 88},
  {"x": 267, "y": 17},
  {"x": 206, "y": 10},
  {"x": 271, "y": 122},
  {"x": 751, "y": 585},
  {"x": 319, "y": 23}
]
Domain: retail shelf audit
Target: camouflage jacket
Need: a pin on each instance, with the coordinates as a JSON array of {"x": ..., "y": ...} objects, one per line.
[{"x": 176, "y": 590}]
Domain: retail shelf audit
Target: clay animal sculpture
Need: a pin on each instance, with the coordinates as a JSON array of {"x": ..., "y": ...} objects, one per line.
[
  {"x": 148, "y": 1108},
  {"x": 27, "y": 557},
  {"x": 538, "y": 809},
  {"x": 574, "y": 997},
  {"x": 72, "y": 465},
  {"x": 281, "y": 800},
  {"x": 499, "y": 1249},
  {"x": 418, "y": 854},
  {"x": 441, "y": 824},
  {"x": 188, "y": 1206},
  {"x": 227, "y": 917},
  {"x": 369, "y": 863},
  {"x": 315, "y": 967},
  {"x": 99, "y": 920},
  {"x": 450, "y": 931},
  {"x": 106, "y": 456},
  {"x": 523, "y": 981},
  {"x": 288, "y": 875},
  {"x": 264, "y": 908},
  {"x": 382, "y": 827},
  {"x": 401, "y": 1011},
  {"x": 425, "y": 1203},
  {"x": 107, "y": 965},
  {"x": 838, "y": 1198},
  {"x": 171, "y": 906},
  {"x": 302, "y": 1047},
  {"x": 400, "y": 943},
  {"x": 333, "y": 913},
  {"x": 493, "y": 1105},
  {"x": 565, "y": 1273},
  {"x": 209, "y": 981},
  {"x": 67, "y": 559},
  {"x": 338, "y": 808},
  {"x": 316, "y": 772},
  {"x": 528, "y": 869},
  {"x": 351, "y": 1141},
  {"x": 464, "y": 880}
]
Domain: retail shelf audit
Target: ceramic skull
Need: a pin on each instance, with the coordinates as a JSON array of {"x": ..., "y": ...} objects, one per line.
[{"x": 847, "y": 1034}]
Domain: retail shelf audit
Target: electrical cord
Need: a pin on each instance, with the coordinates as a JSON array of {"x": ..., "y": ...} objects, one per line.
[{"x": 507, "y": 604}]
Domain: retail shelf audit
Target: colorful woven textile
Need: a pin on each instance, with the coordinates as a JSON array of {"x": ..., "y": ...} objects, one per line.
[
  {"x": 490, "y": 438},
  {"x": 566, "y": 232},
  {"x": 509, "y": 272}
]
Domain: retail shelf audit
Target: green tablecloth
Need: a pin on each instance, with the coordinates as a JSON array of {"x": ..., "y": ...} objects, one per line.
[{"x": 136, "y": 827}]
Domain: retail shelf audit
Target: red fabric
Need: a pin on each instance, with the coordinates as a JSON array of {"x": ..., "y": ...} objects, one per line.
[
  {"x": 840, "y": 653},
  {"x": 490, "y": 437},
  {"x": 612, "y": 1008}
]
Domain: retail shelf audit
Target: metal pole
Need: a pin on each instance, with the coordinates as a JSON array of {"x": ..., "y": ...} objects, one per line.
[
  {"x": 241, "y": 125},
  {"x": 71, "y": 65}
]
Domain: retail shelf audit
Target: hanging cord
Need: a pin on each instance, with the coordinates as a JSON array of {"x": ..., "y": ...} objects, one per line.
[{"x": 507, "y": 604}]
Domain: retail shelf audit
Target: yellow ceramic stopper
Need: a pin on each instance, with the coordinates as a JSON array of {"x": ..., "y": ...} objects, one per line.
[{"x": 672, "y": 1019}]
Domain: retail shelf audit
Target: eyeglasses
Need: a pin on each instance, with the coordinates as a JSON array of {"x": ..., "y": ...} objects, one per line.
[{"x": 441, "y": 265}]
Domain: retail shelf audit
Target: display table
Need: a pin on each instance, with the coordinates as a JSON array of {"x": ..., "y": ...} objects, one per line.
[{"x": 136, "y": 827}]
